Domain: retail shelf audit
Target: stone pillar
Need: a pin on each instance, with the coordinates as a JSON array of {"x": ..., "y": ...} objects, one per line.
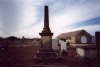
[
  {"x": 98, "y": 45},
  {"x": 46, "y": 54},
  {"x": 46, "y": 35},
  {"x": 46, "y": 41}
]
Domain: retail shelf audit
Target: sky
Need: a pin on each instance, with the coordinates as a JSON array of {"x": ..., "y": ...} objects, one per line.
[{"x": 26, "y": 17}]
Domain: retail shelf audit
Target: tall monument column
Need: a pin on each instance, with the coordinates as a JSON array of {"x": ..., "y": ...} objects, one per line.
[
  {"x": 46, "y": 53},
  {"x": 46, "y": 35}
]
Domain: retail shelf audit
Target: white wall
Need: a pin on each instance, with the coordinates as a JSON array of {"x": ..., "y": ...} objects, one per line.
[
  {"x": 72, "y": 40},
  {"x": 63, "y": 45},
  {"x": 80, "y": 52},
  {"x": 89, "y": 53}
]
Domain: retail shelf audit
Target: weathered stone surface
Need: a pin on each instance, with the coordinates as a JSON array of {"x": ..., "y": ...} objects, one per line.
[{"x": 46, "y": 53}]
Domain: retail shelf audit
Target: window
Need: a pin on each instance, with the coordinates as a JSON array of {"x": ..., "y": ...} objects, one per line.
[{"x": 69, "y": 37}]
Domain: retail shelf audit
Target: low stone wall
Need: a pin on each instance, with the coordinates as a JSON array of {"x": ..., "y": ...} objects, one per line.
[{"x": 18, "y": 55}]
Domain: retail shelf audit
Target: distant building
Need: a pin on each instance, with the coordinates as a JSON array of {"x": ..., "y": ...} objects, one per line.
[
  {"x": 76, "y": 37},
  {"x": 78, "y": 44}
]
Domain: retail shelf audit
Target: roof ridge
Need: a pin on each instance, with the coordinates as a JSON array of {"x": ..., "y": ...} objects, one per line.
[
  {"x": 75, "y": 31},
  {"x": 68, "y": 34}
]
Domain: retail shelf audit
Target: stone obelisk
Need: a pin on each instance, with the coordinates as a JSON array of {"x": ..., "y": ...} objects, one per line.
[
  {"x": 46, "y": 35},
  {"x": 46, "y": 53}
]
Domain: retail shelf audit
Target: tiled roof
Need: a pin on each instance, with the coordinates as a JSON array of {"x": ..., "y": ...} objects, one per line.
[{"x": 69, "y": 34}]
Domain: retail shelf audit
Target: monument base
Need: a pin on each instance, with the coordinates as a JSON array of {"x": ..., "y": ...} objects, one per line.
[{"x": 46, "y": 56}]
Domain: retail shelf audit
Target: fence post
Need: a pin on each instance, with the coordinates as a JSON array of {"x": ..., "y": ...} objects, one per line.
[{"x": 97, "y": 34}]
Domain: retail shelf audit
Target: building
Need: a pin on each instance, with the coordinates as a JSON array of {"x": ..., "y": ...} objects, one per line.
[
  {"x": 76, "y": 37},
  {"x": 81, "y": 44}
]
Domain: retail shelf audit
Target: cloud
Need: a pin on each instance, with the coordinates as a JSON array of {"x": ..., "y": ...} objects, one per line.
[
  {"x": 28, "y": 14},
  {"x": 29, "y": 32},
  {"x": 91, "y": 29},
  {"x": 16, "y": 14},
  {"x": 8, "y": 13},
  {"x": 25, "y": 17},
  {"x": 94, "y": 21},
  {"x": 76, "y": 13}
]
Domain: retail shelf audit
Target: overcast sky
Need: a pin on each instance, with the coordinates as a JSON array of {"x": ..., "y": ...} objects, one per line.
[{"x": 25, "y": 17}]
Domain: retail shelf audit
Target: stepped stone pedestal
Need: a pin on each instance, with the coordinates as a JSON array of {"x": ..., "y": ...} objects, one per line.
[{"x": 45, "y": 55}]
